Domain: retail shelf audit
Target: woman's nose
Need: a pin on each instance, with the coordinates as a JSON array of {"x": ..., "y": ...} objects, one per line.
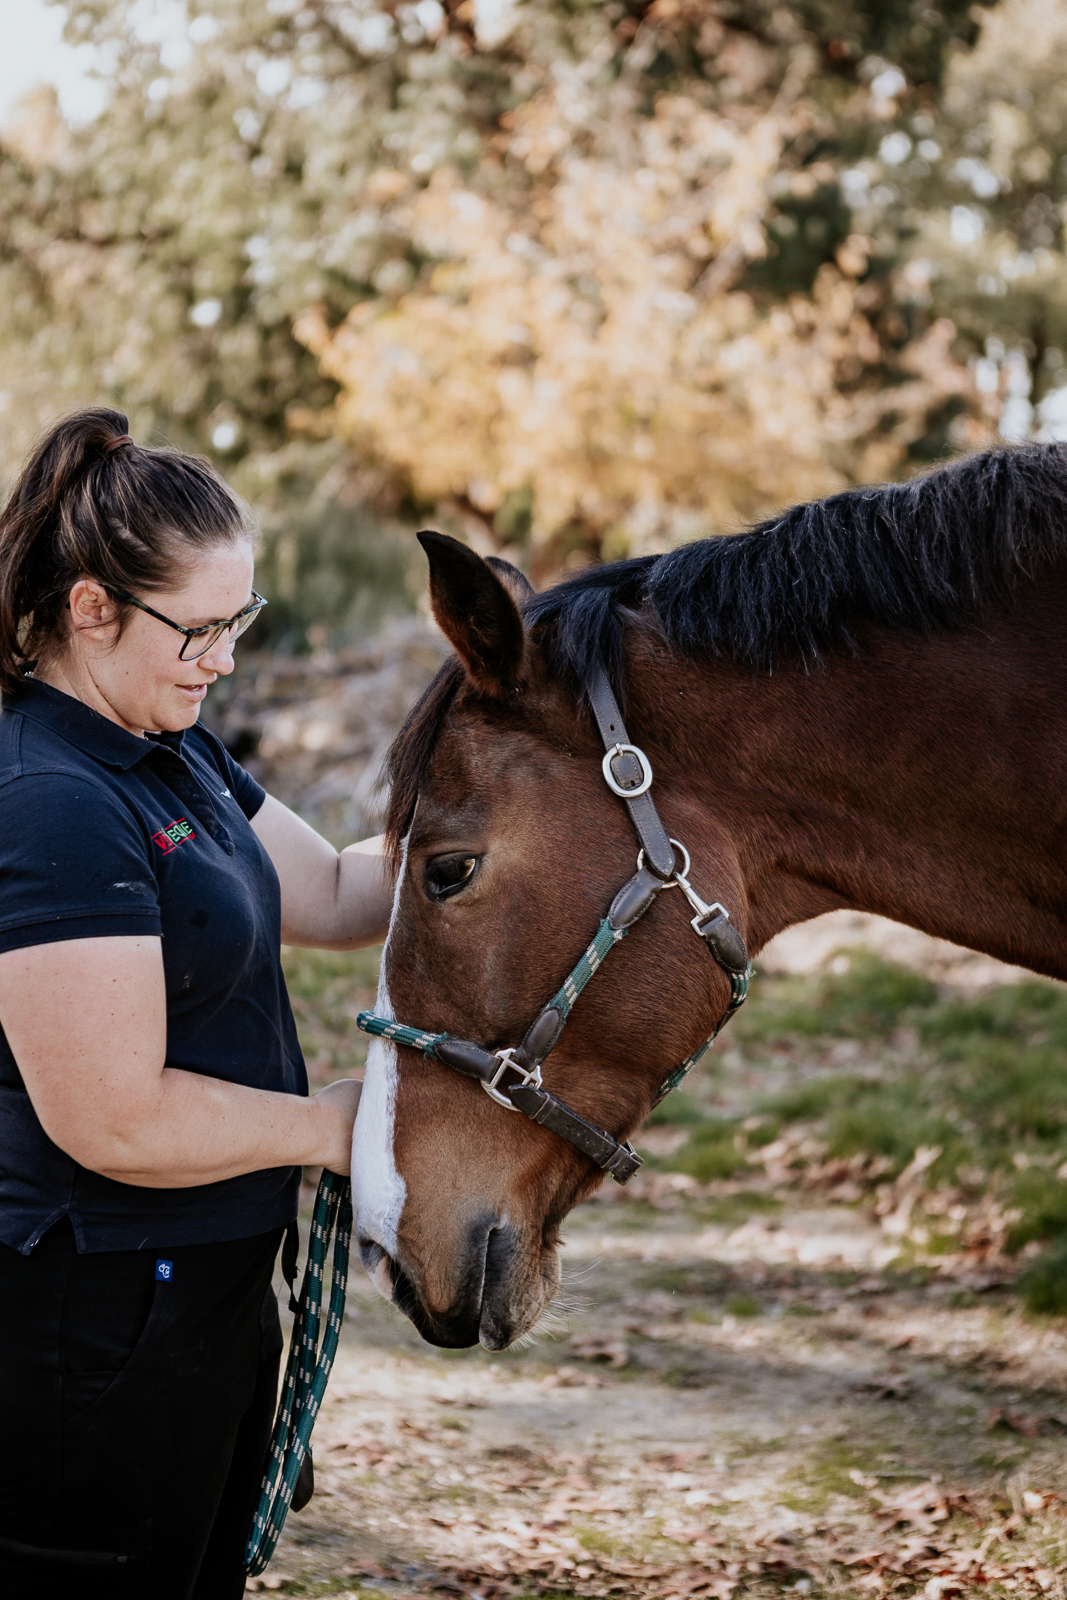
[{"x": 220, "y": 657}]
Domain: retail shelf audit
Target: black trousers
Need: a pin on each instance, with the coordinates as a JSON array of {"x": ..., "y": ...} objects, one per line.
[{"x": 135, "y": 1417}]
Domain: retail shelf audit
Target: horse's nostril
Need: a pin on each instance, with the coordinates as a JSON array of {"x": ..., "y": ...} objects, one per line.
[{"x": 496, "y": 1329}]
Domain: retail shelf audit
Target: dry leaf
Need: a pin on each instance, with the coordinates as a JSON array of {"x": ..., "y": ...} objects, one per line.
[
  {"x": 609, "y": 1348},
  {"x": 888, "y": 1385}
]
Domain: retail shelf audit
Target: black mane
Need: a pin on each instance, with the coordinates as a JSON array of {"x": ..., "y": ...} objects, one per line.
[{"x": 918, "y": 557}]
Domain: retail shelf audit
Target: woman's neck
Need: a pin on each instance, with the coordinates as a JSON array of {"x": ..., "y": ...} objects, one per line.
[{"x": 74, "y": 676}]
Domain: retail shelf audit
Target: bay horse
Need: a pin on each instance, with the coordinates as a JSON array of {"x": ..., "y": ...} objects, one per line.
[{"x": 859, "y": 704}]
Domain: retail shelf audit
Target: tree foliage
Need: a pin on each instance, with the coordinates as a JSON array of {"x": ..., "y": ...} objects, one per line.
[{"x": 581, "y": 277}]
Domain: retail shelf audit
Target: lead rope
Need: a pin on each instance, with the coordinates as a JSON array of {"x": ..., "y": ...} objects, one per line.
[{"x": 308, "y": 1368}]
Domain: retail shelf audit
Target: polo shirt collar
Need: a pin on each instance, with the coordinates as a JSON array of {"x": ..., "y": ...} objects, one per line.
[{"x": 84, "y": 728}]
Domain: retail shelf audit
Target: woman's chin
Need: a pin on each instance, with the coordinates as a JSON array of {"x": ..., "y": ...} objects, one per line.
[{"x": 181, "y": 712}]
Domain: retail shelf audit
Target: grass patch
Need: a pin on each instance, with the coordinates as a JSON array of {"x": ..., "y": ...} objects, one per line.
[
  {"x": 327, "y": 988},
  {"x": 1043, "y": 1200},
  {"x": 685, "y": 1375},
  {"x": 713, "y": 1151},
  {"x": 733, "y": 1209},
  {"x": 603, "y": 1542},
  {"x": 1044, "y": 1285},
  {"x": 983, "y": 1078},
  {"x": 825, "y": 1474},
  {"x": 864, "y": 998},
  {"x": 679, "y": 1108},
  {"x": 743, "y": 1305}
]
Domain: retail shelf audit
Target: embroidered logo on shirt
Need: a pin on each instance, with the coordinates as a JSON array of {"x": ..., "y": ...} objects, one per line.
[
  {"x": 170, "y": 837},
  {"x": 164, "y": 1271}
]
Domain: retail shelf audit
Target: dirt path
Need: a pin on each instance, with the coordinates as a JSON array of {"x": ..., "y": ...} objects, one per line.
[{"x": 744, "y": 1389}]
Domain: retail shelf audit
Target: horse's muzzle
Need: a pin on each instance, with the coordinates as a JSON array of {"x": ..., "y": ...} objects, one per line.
[{"x": 476, "y": 1307}]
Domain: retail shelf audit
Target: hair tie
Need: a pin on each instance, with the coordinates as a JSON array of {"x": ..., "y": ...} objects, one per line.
[{"x": 116, "y": 444}]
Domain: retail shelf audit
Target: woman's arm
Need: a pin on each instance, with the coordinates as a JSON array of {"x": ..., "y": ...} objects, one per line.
[
  {"x": 330, "y": 901},
  {"x": 86, "y": 1020}
]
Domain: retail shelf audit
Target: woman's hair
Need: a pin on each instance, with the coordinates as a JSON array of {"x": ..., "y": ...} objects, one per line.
[{"x": 92, "y": 504}]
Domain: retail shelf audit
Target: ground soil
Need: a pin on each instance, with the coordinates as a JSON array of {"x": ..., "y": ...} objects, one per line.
[{"x": 744, "y": 1388}]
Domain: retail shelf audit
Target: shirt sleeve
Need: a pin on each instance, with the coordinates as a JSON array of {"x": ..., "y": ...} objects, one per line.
[
  {"x": 74, "y": 864},
  {"x": 249, "y": 794}
]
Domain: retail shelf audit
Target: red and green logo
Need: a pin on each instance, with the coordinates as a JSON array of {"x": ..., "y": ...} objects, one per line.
[{"x": 170, "y": 837}]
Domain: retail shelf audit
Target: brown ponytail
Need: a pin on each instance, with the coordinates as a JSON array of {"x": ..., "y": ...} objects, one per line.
[{"x": 90, "y": 503}]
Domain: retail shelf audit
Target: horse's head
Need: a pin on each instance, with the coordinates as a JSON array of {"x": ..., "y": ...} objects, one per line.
[{"x": 511, "y": 848}]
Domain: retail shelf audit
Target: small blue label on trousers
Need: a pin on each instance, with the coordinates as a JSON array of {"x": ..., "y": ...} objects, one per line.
[{"x": 164, "y": 1271}]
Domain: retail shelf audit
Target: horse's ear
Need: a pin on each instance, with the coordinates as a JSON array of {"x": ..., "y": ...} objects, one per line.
[
  {"x": 476, "y": 613},
  {"x": 515, "y": 582}
]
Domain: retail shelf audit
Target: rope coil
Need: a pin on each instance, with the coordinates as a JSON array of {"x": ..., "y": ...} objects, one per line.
[{"x": 307, "y": 1370}]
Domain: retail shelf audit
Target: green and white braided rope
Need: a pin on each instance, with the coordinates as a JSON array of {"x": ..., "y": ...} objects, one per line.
[
  {"x": 399, "y": 1032},
  {"x": 308, "y": 1368},
  {"x": 606, "y": 939},
  {"x": 739, "y": 983}
]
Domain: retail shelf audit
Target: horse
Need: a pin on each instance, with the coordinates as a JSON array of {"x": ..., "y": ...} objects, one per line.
[{"x": 859, "y": 704}]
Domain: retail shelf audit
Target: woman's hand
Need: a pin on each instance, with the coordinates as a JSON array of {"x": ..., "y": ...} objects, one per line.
[
  {"x": 329, "y": 901},
  {"x": 338, "y": 1103}
]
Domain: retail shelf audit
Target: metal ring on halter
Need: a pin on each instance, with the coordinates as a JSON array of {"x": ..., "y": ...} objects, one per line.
[
  {"x": 609, "y": 777},
  {"x": 673, "y": 882},
  {"x": 533, "y": 1079}
]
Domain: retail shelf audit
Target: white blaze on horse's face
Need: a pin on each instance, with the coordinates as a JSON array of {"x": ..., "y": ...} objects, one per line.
[{"x": 378, "y": 1190}]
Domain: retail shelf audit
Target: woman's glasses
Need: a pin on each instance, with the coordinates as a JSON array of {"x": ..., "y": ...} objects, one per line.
[{"x": 198, "y": 641}]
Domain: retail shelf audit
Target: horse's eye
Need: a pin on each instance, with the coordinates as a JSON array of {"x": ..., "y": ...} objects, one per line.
[{"x": 447, "y": 875}]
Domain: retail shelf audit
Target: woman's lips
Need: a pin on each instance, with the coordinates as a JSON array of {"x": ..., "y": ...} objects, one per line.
[{"x": 194, "y": 691}]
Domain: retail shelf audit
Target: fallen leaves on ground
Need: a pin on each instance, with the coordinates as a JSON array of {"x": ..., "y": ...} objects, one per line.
[
  {"x": 658, "y": 1529},
  {"x": 1031, "y": 1426},
  {"x": 612, "y": 1349}
]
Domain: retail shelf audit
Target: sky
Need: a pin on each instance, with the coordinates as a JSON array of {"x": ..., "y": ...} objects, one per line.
[{"x": 34, "y": 53}]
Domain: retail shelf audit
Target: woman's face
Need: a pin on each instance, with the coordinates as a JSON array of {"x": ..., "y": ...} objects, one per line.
[{"x": 138, "y": 680}]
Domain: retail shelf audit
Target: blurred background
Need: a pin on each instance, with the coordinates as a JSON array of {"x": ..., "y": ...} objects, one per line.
[{"x": 573, "y": 281}]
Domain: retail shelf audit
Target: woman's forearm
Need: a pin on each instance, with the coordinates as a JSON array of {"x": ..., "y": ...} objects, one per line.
[
  {"x": 365, "y": 887},
  {"x": 329, "y": 901},
  {"x": 194, "y": 1130}
]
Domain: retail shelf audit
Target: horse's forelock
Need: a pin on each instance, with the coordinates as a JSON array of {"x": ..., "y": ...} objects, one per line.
[{"x": 412, "y": 750}]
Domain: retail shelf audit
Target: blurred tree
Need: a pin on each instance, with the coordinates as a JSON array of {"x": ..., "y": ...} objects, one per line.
[
  {"x": 981, "y": 186},
  {"x": 589, "y": 275}
]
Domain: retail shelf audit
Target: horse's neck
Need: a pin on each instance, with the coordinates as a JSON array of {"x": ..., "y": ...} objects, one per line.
[{"x": 921, "y": 779}]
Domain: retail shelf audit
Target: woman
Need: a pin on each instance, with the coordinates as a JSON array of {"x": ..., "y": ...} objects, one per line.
[{"x": 154, "y": 1111}]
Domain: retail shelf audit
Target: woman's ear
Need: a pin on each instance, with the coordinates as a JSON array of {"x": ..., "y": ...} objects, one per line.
[
  {"x": 476, "y": 614},
  {"x": 90, "y": 605}
]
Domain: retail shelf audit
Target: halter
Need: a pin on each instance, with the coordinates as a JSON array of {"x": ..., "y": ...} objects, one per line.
[{"x": 512, "y": 1076}]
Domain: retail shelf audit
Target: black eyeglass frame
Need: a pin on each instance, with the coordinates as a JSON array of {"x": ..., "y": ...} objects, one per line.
[{"x": 241, "y": 621}]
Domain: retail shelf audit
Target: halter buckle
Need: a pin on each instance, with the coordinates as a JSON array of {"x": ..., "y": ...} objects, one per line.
[
  {"x": 531, "y": 1079},
  {"x": 643, "y": 762}
]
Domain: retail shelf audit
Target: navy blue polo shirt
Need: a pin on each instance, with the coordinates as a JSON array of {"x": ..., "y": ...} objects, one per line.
[{"x": 102, "y": 833}]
